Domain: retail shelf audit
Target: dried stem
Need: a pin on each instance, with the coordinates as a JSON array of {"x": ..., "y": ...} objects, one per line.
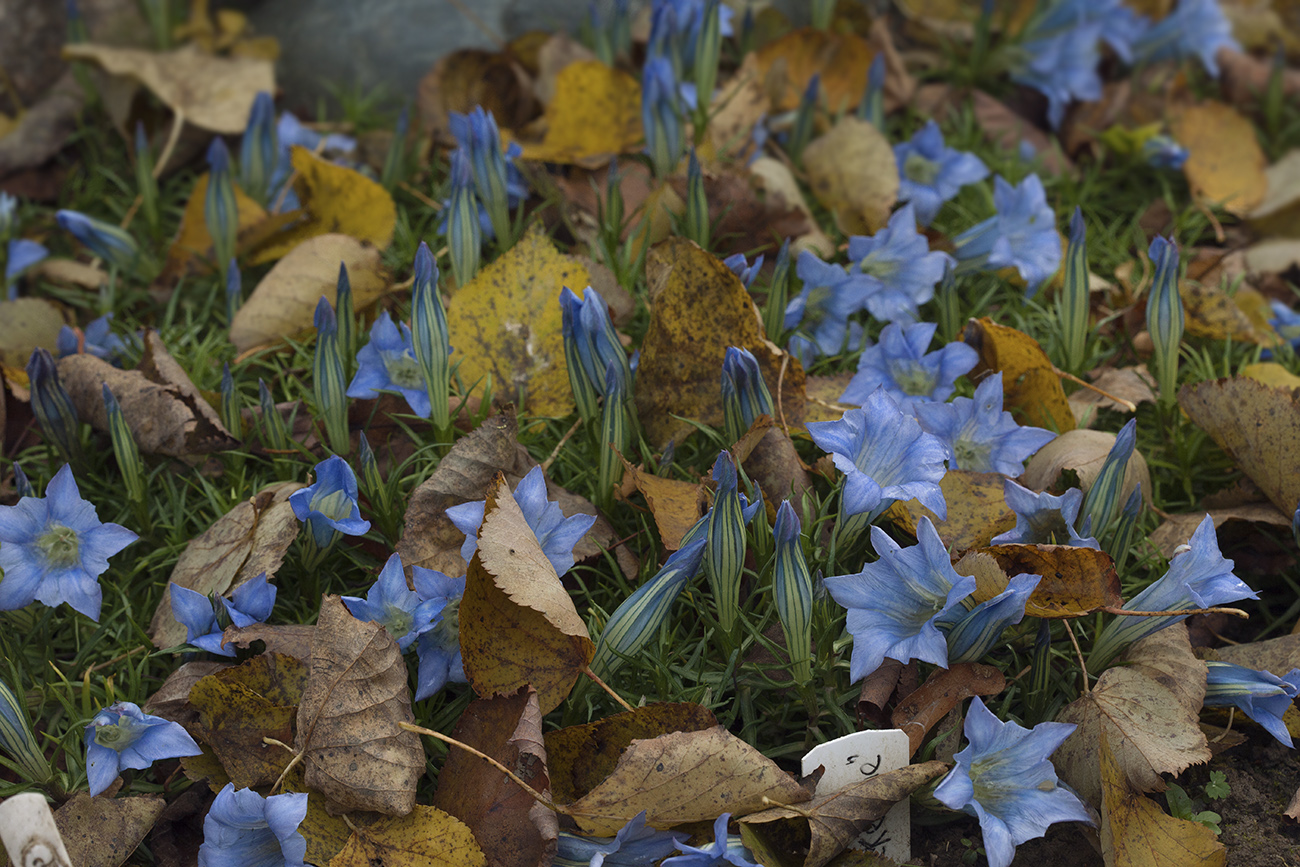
[
  {"x": 618, "y": 698},
  {"x": 555, "y": 453},
  {"x": 1128, "y": 405},
  {"x": 178, "y": 123},
  {"x": 1079, "y": 653},
  {"x": 1182, "y": 612}
]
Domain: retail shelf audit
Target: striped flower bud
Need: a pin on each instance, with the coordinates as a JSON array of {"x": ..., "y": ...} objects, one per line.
[
  {"x": 973, "y": 633},
  {"x": 661, "y": 118},
  {"x": 347, "y": 320},
  {"x": 804, "y": 116},
  {"x": 614, "y": 433},
  {"x": 590, "y": 345},
  {"x": 1073, "y": 302},
  {"x": 1101, "y": 502},
  {"x": 708, "y": 48},
  {"x": 464, "y": 234},
  {"x": 18, "y": 739},
  {"x": 146, "y": 184},
  {"x": 872, "y": 106},
  {"x": 220, "y": 209},
  {"x": 22, "y": 485},
  {"x": 232, "y": 416},
  {"x": 327, "y": 379},
  {"x": 274, "y": 433},
  {"x": 432, "y": 342},
  {"x": 104, "y": 240},
  {"x": 697, "y": 204},
  {"x": 259, "y": 149},
  {"x": 792, "y": 587},
  {"x": 1165, "y": 316},
  {"x": 778, "y": 295},
  {"x": 724, "y": 552},
  {"x": 52, "y": 405},
  {"x": 124, "y": 447},
  {"x": 234, "y": 290},
  {"x": 744, "y": 393}
]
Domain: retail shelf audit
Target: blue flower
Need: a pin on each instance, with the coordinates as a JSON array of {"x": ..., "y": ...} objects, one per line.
[
  {"x": 1286, "y": 323},
  {"x": 971, "y": 634},
  {"x": 898, "y": 268},
  {"x": 396, "y": 607},
  {"x": 104, "y": 240},
  {"x": 1043, "y": 518},
  {"x": 243, "y": 829},
  {"x": 723, "y": 850},
  {"x": 556, "y": 533},
  {"x": 1262, "y": 695},
  {"x": 744, "y": 393},
  {"x": 591, "y": 345},
  {"x": 979, "y": 435},
  {"x": 742, "y": 269},
  {"x": 1162, "y": 152},
  {"x": 96, "y": 339},
  {"x": 8, "y": 208},
  {"x": 724, "y": 553},
  {"x": 1061, "y": 63},
  {"x": 259, "y": 148},
  {"x": 289, "y": 132},
  {"x": 439, "y": 648},
  {"x": 929, "y": 173},
  {"x": 901, "y": 366},
  {"x": 1196, "y": 27},
  {"x": 123, "y": 736},
  {"x": 250, "y": 602},
  {"x": 1022, "y": 235},
  {"x": 662, "y": 110},
  {"x": 635, "y": 844},
  {"x": 884, "y": 455},
  {"x": 822, "y": 309},
  {"x": 497, "y": 181},
  {"x": 22, "y": 254},
  {"x": 1120, "y": 25},
  {"x": 896, "y": 603},
  {"x": 792, "y": 590},
  {"x": 1004, "y": 779},
  {"x": 387, "y": 363},
  {"x": 680, "y": 21},
  {"x": 55, "y": 548},
  {"x": 330, "y": 505}
]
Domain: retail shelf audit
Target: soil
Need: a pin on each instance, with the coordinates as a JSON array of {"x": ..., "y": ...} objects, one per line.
[{"x": 1262, "y": 774}]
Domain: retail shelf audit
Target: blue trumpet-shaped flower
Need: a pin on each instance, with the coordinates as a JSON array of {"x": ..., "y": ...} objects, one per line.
[
  {"x": 822, "y": 309},
  {"x": 396, "y": 607},
  {"x": 930, "y": 173},
  {"x": 724, "y": 850},
  {"x": 438, "y": 648},
  {"x": 243, "y": 829},
  {"x": 979, "y": 435},
  {"x": 636, "y": 843},
  {"x": 105, "y": 240},
  {"x": 1004, "y": 779},
  {"x": 973, "y": 633},
  {"x": 556, "y": 533},
  {"x": 1043, "y": 518},
  {"x": 742, "y": 269},
  {"x": 1061, "y": 63},
  {"x": 1022, "y": 235},
  {"x": 685, "y": 22},
  {"x": 1261, "y": 695},
  {"x": 1196, "y": 28},
  {"x": 55, "y": 548},
  {"x": 249, "y": 603},
  {"x": 387, "y": 363},
  {"x": 897, "y": 267},
  {"x": 591, "y": 345},
  {"x": 123, "y": 736},
  {"x": 20, "y": 255},
  {"x": 330, "y": 505},
  {"x": 884, "y": 455},
  {"x": 744, "y": 393},
  {"x": 900, "y": 365}
]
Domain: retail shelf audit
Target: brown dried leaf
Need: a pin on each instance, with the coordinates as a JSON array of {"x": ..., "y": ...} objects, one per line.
[
  {"x": 1031, "y": 387},
  {"x": 424, "y": 837},
  {"x": 775, "y": 180},
  {"x": 171, "y": 700},
  {"x": 853, "y": 173},
  {"x": 942, "y": 691},
  {"x": 291, "y": 639},
  {"x": 878, "y": 688},
  {"x": 1006, "y": 129},
  {"x": 1276, "y": 655},
  {"x": 1076, "y": 581},
  {"x": 355, "y": 753},
  {"x": 513, "y": 829},
  {"x": 676, "y": 505},
  {"x": 471, "y": 77},
  {"x": 1292, "y": 811},
  {"x": 739, "y": 104},
  {"x": 1177, "y": 529},
  {"x": 1134, "y": 384},
  {"x": 789, "y": 63},
  {"x": 103, "y": 832}
]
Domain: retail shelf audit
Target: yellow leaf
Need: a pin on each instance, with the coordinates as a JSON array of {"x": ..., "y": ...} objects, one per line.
[
  {"x": 1031, "y": 387},
  {"x": 26, "y": 323},
  {"x": 282, "y": 305},
  {"x": 1215, "y": 314},
  {"x": 506, "y": 323},
  {"x": 788, "y": 64},
  {"x": 425, "y": 837},
  {"x": 1076, "y": 581},
  {"x": 1271, "y": 373},
  {"x": 192, "y": 249},
  {"x": 1225, "y": 163},
  {"x": 1279, "y": 212},
  {"x": 595, "y": 116},
  {"x": 977, "y": 509},
  {"x": 336, "y": 200},
  {"x": 853, "y": 173}
]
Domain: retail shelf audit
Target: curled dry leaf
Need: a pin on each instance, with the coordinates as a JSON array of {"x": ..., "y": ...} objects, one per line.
[
  {"x": 892, "y": 680},
  {"x": 512, "y": 828},
  {"x": 1084, "y": 452},
  {"x": 676, "y": 505},
  {"x": 424, "y": 837},
  {"x": 684, "y": 777},
  {"x": 594, "y": 116},
  {"x": 518, "y": 624},
  {"x": 1276, "y": 655},
  {"x": 773, "y": 177},
  {"x": 1225, "y": 163},
  {"x": 103, "y": 832},
  {"x": 853, "y": 173},
  {"x": 942, "y": 691},
  {"x": 1075, "y": 581},
  {"x": 470, "y": 77},
  {"x": 354, "y": 751},
  {"x": 770, "y": 459},
  {"x": 1177, "y": 529},
  {"x": 1031, "y": 387},
  {"x": 249, "y": 540},
  {"x": 1134, "y": 384},
  {"x": 165, "y": 412},
  {"x": 25, "y": 324},
  {"x": 291, "y": 639}
]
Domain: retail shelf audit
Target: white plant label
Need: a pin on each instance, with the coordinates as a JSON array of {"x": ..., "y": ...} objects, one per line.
[
  {"x": 29, "y": 833},
  {"x": 854, "y": 758}
]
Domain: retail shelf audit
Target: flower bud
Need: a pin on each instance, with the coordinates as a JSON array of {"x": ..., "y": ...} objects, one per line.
[
  {"x": 18, "y": 739},
  {"x": 231, "y": 410},
  {"x": 792, "y": 586},
  {"x": 724, "y": 552},
  {"x": 259, "y": 149},
  {"x": 234, "y": 290},
  {"x": 1073, "y": 302},
  {"x": 971, "y": 634},
  {"x": 347, "y": 320},
  {"x": 778, "y": 295},
  {"x": 220, "y": 209},
  {"x": 804, "y": 116},
  {"x": 22, "y": 485},
  {"x": 327, "y": 379},
  {"x": 1165, "y": 316},
  {"x": 372, "y": 481},
  {"x": 697, "y": 204},
  {"x": 1101, "y": 501},
  {"x": 478, "y": 133},
  {"x": 274, "y": 433},
  {"x": 124, "y": 447},
  {"x": 661, "y": 117},
  {"x": 104, "y": 240},
  {"x": 590, "y": 345},
  {"x": 614, "y": 433},
  {"x": 464, "y": 235},
  {"x": 51, "y": 404},
  {"x": 432, "y": 343},
  {"x": 708, "y": 48},
  {"x": 146, "y": 183},
  {"x": 744, "y": 393},
  {"x": 872, "y": 107}
]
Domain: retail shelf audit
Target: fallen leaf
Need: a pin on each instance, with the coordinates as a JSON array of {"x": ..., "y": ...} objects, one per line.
[
  {"x": 249, "y": 540},
  {"x": 1031, "y": 387},
  {"x": 354, "y": 751},
  {"x": 1224, "y": 163},
  {"x": 165, "y": 412},
  {"x": 1084, "y": 452},
  {"x": 507, "y": 323},
  {"x": 283, "y": 303},
  {"x": 1134, "y": 384},
  {"x": 558, "y": 52},
  {"x": 744, "y": 219},
  {"x": 853, "y": 174},
  {"x": 43, "y": 129},
  {"x": 291, "y": 639},
  {"x": 191, "y": 251},
  {"x": 697, "y": 309},
  {"x": 977, "y": 510},
  {"x": 1292, "y": 811},
  {"x": 171, "y": 700},
  {"x": 774, "y": 178},
  {"x": 684, "y": 777},
  {"x": 1005, "y": 128},
  {"x": 25, "y": 324},
  {"x": 1211, "y": 312},
  {"x": 942, "y": 691},
  {"x": 103, "y": 832},
  {"x": 518, "y": 624},
  {"x": 1076, "y": 581},
  {"x": 1258, "y": 426},
  {"x": 892, "y": 680},
  {"x": 676, "y": 505},
  {"x": 827, "y": 824},
  {"x": 335, "y": 200},
  {"x": 69, "y": 272},
  {"x": 1175, "y": 530},
  {"x": 773, "y": 462},
  {"x": 326, "y": 834},
  {"x": 1279, "y": 212},
  {"x": 214, "y": 93},
  {"x": 583, "y": 755},
  {"x": 739, "y": 104},
  {"x": 1276, "y": 655},
  {"x": 1135, "y": 832},
  {"x": 789, "y": 63},
  {"x": 474, "y": 77},
  {"x": 1246, "y": 77},
  {"x": 1149, "y": 724},
  {"x": 424, "y": 836},
  {"x": 1272, "y": 256},
  {"x": 1271, "y": 373},
  {"x": 512, "y": 828},
  {"x": 594, "y": 117}
]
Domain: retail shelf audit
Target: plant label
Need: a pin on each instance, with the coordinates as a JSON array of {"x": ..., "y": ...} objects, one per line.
[{"x": 854, "y": 758}]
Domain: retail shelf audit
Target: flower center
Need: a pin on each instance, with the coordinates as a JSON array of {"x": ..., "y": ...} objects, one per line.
[
  {"x": 398, "y": 621},
  {"x": 972, "y": 455},
  {"x": 920, "y": 170},
  {"x": 1048, "y": 528},
  {"x": 334, "y": 505},
  {"x": 878, "y": 268},
  {"x": 913, "y": 379},
  {"x": 818, "y": 306},
  {"x": 118, "y": 736},
  {"x": 448, "y": 628},
  {"x": 403, "y": 372},
  {"x": 60, "y": 546}
]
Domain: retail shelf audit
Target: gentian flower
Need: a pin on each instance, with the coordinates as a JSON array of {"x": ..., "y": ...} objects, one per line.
[
  {"x": 792, "y": 588},
  {"x": 1196, "y": 27},
  {"x": 289, "y": 132},
  {"x": 1162, "y": 152},
  {"x": 464, "y": 232},
  {"x": 898, "y": 268},
  {"x": 1286, "y": 323},
  {"x": 636, "y": 843},
  {"x": 330, "y": 505},
  {"x": 20, "y": 255},
  {"x": 1261, "y": 695},
  {"x": 243, "y": 829},
  {"x": 1198, "y": 577},
  {"x": 896, "y": 603},
  {"x": 220, "y": 208},
  {"x": 17, "y": 736},
  {"x": 328, "y": 385},
  {"x": 123, "y": 736},
  {"x": 498, "y": 183},
  {"x": 1061, "y": 64},
  {"x": 742, "y": 269},
  {"x": 662, "y": 112},
  {"x": 685, "y": 23},
  {"x": 590, "y": 345},
  {"x": 1021, "y": 235},
  {"x": 104, "y": 240},
  {"x": 884, "y": 455},
  {"x": 979, "y": 435},
  {"x": 724, "y": 553},
  {"x": 1004, "y": 779},
  {"x": 55, "y": 548},
  {"x": 1120, "y": 25},
  {"x": 973, "y": 633},
  {"x": 930, "y": 173},
  {"x": 1043, "y": 518},
  {"x": 900, "y": 365},
  {"x": 1165, "y": 319},
  {"x": 259, "y": 149},
  {"x": 744, "y": 393},
  {"x": 51, "y": 403},
  {"x": 555, "y": 533},
  {"x": 431, "y": 343},
  {"x": 723, "y": 850},
  {"x": 96, "y": 339},
  {"x": 822, "y": 310},
  {"x": 387, "y": 363},
  {"x": 1102, "y": 501},
  {"x": 396, "y": 607},
  {"x": 438, "y": 648},
  {"x": 250, "y": 602}
]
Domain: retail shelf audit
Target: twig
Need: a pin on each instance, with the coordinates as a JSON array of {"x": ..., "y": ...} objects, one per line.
[
  {"x": 780, "y": 383},
  {"x": 1079, "y": 653},
  {"x": 478, "y": 22},
  {"x": 178, "y": 123},
  {"x": 1182, "y": 612},
  {"x": 1232, "y": 714},
  {"x": 618, "y": 698},
  {"x": 536, "y": 795},
  {"x": 436, "y": 205},
  {"x": 115, "y": 659},
  {"x": 1127, "y": 404},
  {"x": 546, "y": 464}
]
